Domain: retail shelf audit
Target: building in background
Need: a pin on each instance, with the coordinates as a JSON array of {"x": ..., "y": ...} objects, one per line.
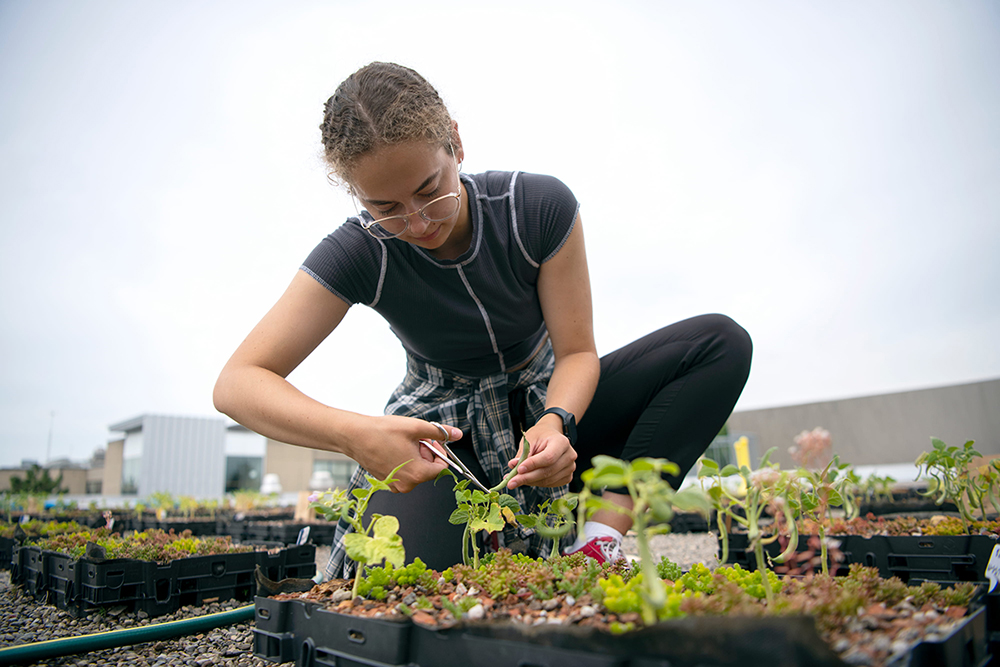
[
  {"x": 210, "y": 457},
  {"x": 883, "y": 429}
]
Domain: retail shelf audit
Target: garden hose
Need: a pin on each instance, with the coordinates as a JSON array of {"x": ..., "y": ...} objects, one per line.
[{"x": 53, "y": 648}]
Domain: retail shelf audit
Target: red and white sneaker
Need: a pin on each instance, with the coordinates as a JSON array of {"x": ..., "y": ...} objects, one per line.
[{"x": 601, "y": 549}]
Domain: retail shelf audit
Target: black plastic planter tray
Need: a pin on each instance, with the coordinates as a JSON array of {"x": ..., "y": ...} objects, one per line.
[
  {"x": 78, "y": 586},
  {"x": 295, "y": 630},
  {"x": 198, "y": 527},
  {"x": 309, "y": 635},
  {"x": 7, "y": 546},
  {"x": 235, "y": 529},
  {"x": 295, "y": 561},
  {"x": 691, "y": 522},
  {"x": 930, "y": 557},
  {"x": 30, "y": 570}
]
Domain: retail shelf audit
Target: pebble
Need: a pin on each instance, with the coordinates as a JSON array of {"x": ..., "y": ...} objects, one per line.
[{"x": 476, "y": 612}]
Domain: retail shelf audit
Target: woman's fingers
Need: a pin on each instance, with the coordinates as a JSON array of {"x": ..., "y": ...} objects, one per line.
[{"x": 551, "y": 463}]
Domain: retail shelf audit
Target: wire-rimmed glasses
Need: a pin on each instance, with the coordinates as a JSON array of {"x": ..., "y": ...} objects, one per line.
[{"x": 391, "y": 226}]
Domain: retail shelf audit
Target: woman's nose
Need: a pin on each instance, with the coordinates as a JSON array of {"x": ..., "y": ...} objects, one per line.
[{"x": 417, "y": 224}]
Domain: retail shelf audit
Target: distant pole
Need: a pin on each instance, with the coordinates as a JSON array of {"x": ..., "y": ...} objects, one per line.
[{"x": 48, "y": 450}]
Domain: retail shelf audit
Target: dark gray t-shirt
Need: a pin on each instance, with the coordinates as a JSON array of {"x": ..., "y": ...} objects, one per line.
[{"x": 475, "y": 315}]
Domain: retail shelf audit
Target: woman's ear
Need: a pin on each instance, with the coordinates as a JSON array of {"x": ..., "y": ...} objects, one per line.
[{"x": 456, "y": 142}]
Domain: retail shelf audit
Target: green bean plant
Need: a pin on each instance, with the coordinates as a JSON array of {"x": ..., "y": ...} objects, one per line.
[
  {"x": 948, "y": 471},
  {"x": 879, "y": 489},
  {"x": 814, "y": 494},
  {"x": 766, "y": 487},
  {"x": 481, "y": 511},
  {"x": 552, "y": 520},
  {"x": 371, "y": 544},
  {"x": 653, "y": 505}
]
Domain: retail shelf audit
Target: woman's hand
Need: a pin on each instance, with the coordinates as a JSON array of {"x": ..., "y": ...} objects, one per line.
[
  {"x": 551, "y": 460},
  {"x": 393, "y": 440}
]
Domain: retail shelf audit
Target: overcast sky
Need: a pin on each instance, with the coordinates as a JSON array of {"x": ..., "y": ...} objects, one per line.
[{"x": 826, "y": 173}]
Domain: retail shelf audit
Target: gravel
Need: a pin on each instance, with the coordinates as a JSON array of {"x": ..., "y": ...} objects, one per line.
[{"x": 24, "y": 621}]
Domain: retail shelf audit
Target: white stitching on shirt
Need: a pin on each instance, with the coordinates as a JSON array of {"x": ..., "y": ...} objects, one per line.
[
  {"x": 513, "y": 222},
  {"x": 486, "y": 319}
]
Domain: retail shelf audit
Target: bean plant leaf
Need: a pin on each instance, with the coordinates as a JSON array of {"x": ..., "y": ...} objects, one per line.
[{"x": 692, "y": 499}]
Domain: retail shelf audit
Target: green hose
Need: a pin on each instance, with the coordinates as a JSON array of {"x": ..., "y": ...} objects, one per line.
[{"x": 58, "y": 647}]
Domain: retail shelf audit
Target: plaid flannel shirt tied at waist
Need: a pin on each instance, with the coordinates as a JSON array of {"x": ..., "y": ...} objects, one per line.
[{"x": 478, "y": 406}]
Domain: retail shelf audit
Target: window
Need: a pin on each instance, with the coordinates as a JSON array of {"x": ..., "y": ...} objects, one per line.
[
  {"x": 244, "y": 473},
  {"x": 341, "y": 471},
  {"x": 130, "y": 476}
]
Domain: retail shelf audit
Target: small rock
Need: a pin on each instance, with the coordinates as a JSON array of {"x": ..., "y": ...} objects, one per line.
[
  {"x": 550, "y": 604},
  {"x": 882, "y": 643},
  {"x": 841, "y": 645},
  {"x": 461, "y": 589},
  {"x": 340, "y": 596},
  {"x": 900, "y": 646},
  {"x": 587, "y": 611},
  {"x": 476, "y": 613},
  {"x": 570, "y": 600},
  {"x": 857, "y": 657},
  {"x": 410, "y": 599}
]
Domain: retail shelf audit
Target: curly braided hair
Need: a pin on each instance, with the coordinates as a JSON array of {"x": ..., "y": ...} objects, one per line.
[{"x": 381, "y": 104}]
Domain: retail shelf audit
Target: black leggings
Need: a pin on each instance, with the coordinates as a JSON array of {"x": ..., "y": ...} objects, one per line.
[{"x": 666, "y": 395}]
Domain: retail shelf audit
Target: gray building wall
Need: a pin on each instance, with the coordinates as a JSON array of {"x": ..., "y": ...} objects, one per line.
[
  {"x": 184, "y": 456},
  {"x": 889, "y": 428}
]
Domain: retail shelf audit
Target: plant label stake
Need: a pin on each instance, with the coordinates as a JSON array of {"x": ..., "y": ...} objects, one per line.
[{"x": 993, "y": 568}]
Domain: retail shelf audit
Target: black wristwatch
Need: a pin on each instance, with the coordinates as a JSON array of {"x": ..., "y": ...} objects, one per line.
[{"x": 569, "y": 422}]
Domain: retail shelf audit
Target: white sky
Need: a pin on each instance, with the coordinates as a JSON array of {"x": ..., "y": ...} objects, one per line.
[{"x": 828, "y": 174}]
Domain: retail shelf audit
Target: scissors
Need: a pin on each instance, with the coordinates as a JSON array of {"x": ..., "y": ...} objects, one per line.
[{"x": 449, "y": 457}]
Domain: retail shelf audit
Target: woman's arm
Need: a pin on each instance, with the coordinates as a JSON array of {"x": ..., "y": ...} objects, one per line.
[
  {"x": 253, "y": 391},
  {"x": 564, "y": 292}
]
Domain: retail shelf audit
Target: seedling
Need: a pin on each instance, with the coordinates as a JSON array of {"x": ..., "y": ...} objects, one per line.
[
  {"x": 484, "y": 511},
  {"x": 553, "y": 519},
  {"x": 766, "y": 487},
  {"x": 822, "y": 490},
  {"x": 653, "y": 504},
  {"x": 950, "y": 477},
  {"x": 371, "y": 544}
]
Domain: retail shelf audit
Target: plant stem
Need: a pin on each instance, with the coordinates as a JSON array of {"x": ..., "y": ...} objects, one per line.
[{"x": 513, "y": 471}]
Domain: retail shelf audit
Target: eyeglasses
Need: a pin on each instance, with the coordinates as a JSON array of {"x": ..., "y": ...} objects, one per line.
[{"x": 389, "y": 227}]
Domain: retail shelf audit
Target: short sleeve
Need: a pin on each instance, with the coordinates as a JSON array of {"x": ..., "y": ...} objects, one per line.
[
  {"x": 547, "y": 210},
  {"x": 348, "y": 262}
]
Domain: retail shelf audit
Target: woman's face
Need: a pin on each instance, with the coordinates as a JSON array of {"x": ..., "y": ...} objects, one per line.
[{"x": 402, "y": 178}]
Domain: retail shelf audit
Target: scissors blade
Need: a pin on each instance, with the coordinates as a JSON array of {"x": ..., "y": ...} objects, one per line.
[
  {"x": 454, "y": 462},
  {"x": 465, "y": 469}
]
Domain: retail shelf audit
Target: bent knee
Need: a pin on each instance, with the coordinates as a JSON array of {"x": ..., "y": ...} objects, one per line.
[{"x": 731, "y": 335}]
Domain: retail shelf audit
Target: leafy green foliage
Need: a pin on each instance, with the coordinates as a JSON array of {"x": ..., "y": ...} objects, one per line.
[
  {"x": 383, "y": 544},
  {"x": 36, "y": 480},
  {"x": 552, "y": 520},
  {"x": 951, "y": 477},
  {"x": 653, "y": 504},
  {"x": 480, "y": 511}
]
